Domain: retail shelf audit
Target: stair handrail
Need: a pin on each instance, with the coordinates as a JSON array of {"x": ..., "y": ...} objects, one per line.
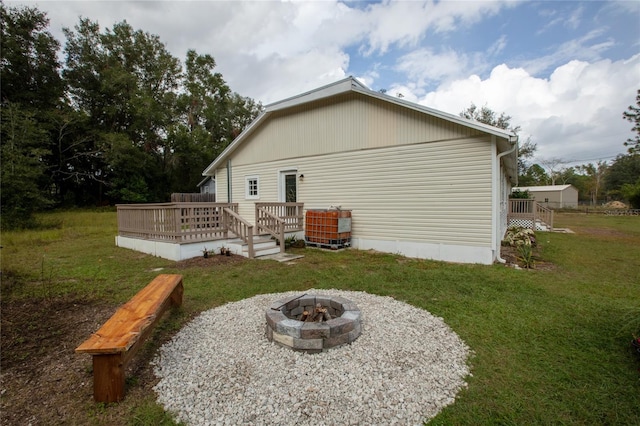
[
  {"x": 545, "y": 214},
  {"x": 264, "y": 217},
  {"x": 239, "y": 226}
]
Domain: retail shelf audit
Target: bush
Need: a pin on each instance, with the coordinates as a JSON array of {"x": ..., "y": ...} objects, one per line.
[
  {"x": 517, "y": 236},
  {"x": 632, "y": 193}
]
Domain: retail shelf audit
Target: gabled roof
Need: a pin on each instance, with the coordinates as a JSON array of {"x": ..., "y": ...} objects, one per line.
[
  {"x": 350, "y": 84},
  {"x": 205, "y": 180},
  {"x": 544, "y": 188}
]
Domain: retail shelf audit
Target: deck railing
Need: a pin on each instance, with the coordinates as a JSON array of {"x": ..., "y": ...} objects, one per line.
[
  {"x": 191, "y": 222},
  {"x": 240, "y": 227},
  {"x": 291, "y": 213},
  {"x": 270, "y": 224},
  {"x": 525, "y": 212},
  {"x": 277, "y": 218},
  {"x": 174, "y": 222}
]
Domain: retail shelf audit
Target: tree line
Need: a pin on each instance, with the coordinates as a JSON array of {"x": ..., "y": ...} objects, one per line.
[
  {"x": 118, "y": 120},
  {"x": 618, "y": 180},
  {"x": 121, "y": 120}
]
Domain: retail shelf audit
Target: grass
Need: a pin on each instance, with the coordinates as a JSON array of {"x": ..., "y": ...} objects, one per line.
[{"x": 550, "y": 346}]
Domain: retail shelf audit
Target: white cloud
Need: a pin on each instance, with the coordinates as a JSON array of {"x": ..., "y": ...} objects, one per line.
[
  {"x": 498, "y": 46},
  {"x": 587, "y": 48},
  {"x": 573, "y": 22},
  {"x": 574, "y": 114},
  {"x": 273, "y": 50},
  {"x": 405, "y": 23},
  {"x": 424, "y": 65},
  {"x": 259, "y": 46}
]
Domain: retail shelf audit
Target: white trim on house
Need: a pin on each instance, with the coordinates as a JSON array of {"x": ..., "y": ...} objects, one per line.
[
  {"x": 282, "y": 173},
  {"x": 249, "y": 187},
  {"x": 543, "y": 188}
]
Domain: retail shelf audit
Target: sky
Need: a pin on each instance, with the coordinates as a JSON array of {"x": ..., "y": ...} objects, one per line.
[{"x": 565, "y": 71}]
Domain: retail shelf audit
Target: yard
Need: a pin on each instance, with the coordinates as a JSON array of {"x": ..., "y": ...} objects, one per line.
[{"x": 551, "y": 345}]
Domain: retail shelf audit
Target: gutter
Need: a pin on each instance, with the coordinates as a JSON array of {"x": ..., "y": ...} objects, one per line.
[{"x": 514, "y": 146}]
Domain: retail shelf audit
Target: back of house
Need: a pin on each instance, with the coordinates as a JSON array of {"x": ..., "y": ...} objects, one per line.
[{"x": 418, "y": 182}]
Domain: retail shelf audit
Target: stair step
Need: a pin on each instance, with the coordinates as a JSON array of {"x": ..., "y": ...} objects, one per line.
[{"x": 262, "y": 246}]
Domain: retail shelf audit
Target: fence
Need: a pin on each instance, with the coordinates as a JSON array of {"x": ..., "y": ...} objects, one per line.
[
  {"x": 622, "y": 212},
  {"x": 193, "y": 197}
]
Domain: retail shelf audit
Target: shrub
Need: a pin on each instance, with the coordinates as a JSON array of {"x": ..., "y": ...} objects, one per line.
[{"x": 517, "y": 236}]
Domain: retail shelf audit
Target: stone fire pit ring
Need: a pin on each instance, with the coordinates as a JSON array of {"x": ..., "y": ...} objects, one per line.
[{"x": 285, "y": 328}]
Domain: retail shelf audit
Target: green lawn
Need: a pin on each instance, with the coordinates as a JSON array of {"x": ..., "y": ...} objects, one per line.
[{"x": 550, "y": 346}]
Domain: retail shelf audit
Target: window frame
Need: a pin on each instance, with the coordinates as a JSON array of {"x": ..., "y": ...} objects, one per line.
[{"x": 248, "y": 187}]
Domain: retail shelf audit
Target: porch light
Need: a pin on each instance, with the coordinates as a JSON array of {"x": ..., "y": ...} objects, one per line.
[{"x": 301, "y": 177}]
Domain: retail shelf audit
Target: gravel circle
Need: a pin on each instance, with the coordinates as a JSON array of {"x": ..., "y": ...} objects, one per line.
[{"x": 221, "y": 370}]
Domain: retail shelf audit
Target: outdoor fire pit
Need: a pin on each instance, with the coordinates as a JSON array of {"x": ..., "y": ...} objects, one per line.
[{"x": 313, "y": 323}]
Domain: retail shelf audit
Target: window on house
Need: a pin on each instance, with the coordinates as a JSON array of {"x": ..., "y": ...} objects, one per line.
[{"x": 252, "y": 187}]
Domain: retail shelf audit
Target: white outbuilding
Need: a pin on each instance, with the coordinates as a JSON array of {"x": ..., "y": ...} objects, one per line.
[{"x": 553, "y": 196}]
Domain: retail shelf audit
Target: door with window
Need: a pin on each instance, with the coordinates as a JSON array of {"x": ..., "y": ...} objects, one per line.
[
  {"x": 288, "y": 186},
  {"x": 289, "y": 193}
]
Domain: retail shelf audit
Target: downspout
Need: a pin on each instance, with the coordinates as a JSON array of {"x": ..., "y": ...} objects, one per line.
[
  {"x": 514, "y": 145},
  {"x": 229, "y": 181}
]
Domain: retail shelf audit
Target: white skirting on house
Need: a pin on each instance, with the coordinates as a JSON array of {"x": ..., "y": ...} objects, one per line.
[
  {"x": 419, "y": 250},
  {"x": 169, "y": 250},
  {"x": 423, "y": 250}
]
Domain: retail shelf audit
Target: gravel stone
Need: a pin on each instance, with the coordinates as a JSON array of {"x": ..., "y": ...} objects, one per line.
[{"x": 220, "y": 368}]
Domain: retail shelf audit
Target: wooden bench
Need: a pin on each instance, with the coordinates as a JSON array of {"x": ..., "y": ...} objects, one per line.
[{"x": 123, "y": 334}]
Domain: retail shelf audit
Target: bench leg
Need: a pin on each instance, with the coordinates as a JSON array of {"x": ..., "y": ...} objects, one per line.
[
  {"x": 176, "y": 295},
  {"x": 108, "y": 378}
]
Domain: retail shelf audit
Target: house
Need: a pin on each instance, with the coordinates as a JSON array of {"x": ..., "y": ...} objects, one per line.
[
  {"x": 207, "y": 185},
  {"x": 418, "y": 182},
  {"x": 553, "y": 196}
]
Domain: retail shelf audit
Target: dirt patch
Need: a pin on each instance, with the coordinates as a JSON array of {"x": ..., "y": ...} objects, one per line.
[
  {"x": 43, "y": 381},
  {"x": 510, "y": 254},
  {"x": 206, "y": 262}
]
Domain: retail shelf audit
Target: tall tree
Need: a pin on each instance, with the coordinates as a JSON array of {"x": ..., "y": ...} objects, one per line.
[
  {"x": 125, "y": 81},
  {"x": 596, "y": 174},
  {"x": 31, "y": 90},
  {"x": 22, "y": 174},
  {"x": 633, "y": 115},
  {"x": 556, "y": 168},
  {"x": 29, "y": 69},
  {"x": 534, "y": 175},
  {"x": 631, "y": 193},
  {"x": 624, "y": 170},
  {"x": 211, "y": 117}
]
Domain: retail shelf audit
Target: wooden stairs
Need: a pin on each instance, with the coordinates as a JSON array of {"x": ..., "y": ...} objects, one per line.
[{"x": 263, "y": 245}]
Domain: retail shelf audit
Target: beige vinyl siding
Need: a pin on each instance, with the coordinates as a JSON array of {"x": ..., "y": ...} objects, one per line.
[
  {"x": 221, "y": 185},
  {"x": 350, "y": 122},
  {"x": 438, "y": 192}
]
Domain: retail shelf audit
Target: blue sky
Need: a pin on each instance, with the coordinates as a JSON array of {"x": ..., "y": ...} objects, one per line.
[{"x": 564, "y": 70}]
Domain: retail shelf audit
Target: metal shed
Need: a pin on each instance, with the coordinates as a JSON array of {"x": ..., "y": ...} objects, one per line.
[{"x": 553, "y": 196}]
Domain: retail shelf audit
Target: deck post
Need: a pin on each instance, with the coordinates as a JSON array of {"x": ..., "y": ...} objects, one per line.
[{"x": 281, "y": 237}]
